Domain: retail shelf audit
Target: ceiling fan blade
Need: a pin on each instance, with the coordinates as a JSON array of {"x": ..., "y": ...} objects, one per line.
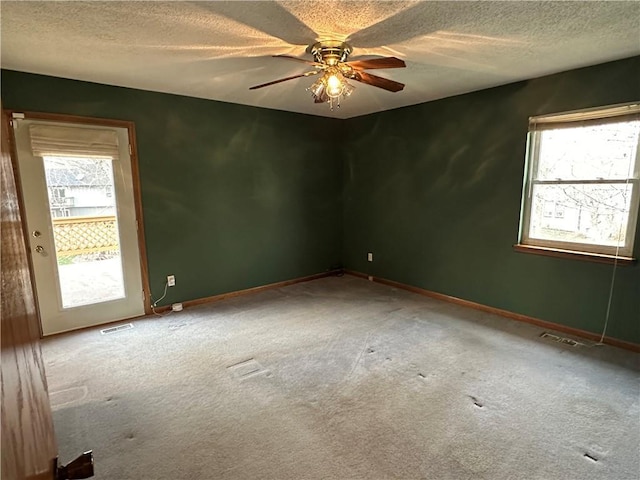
[
  {"x": 385, "y": 62},
  {"x": 308, "y": 62},
  {"x": 306, "y": 74},
  {"x": 379, "y": 82}
]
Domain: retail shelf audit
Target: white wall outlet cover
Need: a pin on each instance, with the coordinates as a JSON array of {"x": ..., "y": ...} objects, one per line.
[{"x": 370, "y": 257}]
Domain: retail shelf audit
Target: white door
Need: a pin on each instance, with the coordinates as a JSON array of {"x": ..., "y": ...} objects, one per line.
[{"x": 80, "y": 214}]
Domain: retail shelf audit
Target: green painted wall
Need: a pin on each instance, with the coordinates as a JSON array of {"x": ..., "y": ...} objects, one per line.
[
  {"x": 233, "y": 196},
  {"x": 236, "y": 196},
  {"x": 434, "y": 191}
]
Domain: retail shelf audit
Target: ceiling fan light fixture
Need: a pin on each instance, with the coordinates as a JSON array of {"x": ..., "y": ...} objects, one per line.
[
  {"x": 331, "y": 88},
  {"x": 335, "y": 84},
  {"x": 348, "y": 89},
  {"x": 317, "y": 89}
]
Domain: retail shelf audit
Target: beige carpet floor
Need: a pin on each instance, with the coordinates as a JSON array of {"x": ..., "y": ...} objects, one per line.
[{"x": 340, "y": 378}]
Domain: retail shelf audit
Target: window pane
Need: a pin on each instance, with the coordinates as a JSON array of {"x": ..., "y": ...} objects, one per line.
[
  {"x": 85, "y": 229},
  {"x": 588, "y": 153},
  {"x": 594, "y": 214}
]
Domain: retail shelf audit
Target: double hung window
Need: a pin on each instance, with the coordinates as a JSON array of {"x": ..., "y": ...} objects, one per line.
[{"x": 581, "y": 188}]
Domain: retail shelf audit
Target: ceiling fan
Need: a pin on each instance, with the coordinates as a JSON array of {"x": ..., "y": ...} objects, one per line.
[{"x": 331, "y": 60}]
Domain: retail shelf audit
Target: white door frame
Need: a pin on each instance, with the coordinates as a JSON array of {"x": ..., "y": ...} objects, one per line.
[{"x": 88, "y": 121}]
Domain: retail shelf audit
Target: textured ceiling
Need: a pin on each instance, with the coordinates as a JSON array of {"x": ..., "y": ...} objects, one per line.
[{"x": 217, "y": 50}]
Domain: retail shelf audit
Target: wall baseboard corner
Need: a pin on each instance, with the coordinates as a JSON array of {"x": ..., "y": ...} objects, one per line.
[{"x": 634, "y": 347}]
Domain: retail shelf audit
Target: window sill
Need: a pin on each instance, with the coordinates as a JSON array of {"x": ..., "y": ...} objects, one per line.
[{"x": 586, "y": 256}]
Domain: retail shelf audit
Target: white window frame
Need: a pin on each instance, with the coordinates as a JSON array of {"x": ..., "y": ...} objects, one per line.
[{"x": 592, "y": 116}]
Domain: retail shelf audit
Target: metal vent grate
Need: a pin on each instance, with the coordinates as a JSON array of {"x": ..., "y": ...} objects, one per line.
[
  {"x": 563, "y": 340},
  {"x": 119, "y": 328}
]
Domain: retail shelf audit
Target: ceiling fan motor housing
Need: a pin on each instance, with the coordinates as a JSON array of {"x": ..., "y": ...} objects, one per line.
[{"x": 330, "y": 52}]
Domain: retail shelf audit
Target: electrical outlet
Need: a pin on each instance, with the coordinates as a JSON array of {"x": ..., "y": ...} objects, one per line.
[
  {"x": 171, "y": 280},
  {"x": 370, "y": 257}
]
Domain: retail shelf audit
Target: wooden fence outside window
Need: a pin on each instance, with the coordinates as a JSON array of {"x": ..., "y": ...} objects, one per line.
[{"x": 80, "y": 235}]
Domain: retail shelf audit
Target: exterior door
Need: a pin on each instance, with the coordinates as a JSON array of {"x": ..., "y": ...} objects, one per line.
[{"x": 80, "y": 211}]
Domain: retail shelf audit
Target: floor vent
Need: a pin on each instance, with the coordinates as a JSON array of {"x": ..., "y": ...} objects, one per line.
[
  {"x": 119, "y": 328},
  {"x": 563, "y": 340}
]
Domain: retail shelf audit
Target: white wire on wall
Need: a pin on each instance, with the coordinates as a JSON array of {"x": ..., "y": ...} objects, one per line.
[{"x": 155, "y": 304}]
